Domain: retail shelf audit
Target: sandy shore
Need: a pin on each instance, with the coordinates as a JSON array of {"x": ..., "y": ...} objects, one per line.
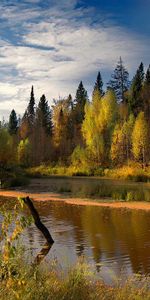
[{"x": 75, "y": 201}]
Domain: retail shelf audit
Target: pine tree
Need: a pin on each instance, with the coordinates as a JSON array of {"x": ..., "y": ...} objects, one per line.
[
  {"x": 79, "y": 103},
  {"x": 120, "y": 81},
  {"x": 13, "y": 123},
  {"x": 135, "y": 100},
  {"x": 43, "y": 115},
  {"x": 98, "y": 87}
]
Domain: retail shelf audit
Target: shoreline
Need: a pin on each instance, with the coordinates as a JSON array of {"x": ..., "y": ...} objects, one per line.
[{"x": 75, "y": 201}]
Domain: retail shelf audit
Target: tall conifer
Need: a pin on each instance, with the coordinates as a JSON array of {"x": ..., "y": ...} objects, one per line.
[
  {"x": 13, "y": 123},
  {"x": 119, "y": 81},
  {"x": 98, "y": 85},
  {"x": 135, "y": 99}
]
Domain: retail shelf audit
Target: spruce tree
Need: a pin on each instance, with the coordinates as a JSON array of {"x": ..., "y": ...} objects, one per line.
[
  {"x": 44, "y": 117},
  {"x": 79, "y": 103},
  {"x": 147, "y": 77},
  {"x": 13, "y": 123},
  {"x": 120, "y": 81},
  {"x": 135, "y": 99},
  {"x": 31, "y": 107},
  {"x": 146, "y": 95},
  {"x": 98, "y": 85}
]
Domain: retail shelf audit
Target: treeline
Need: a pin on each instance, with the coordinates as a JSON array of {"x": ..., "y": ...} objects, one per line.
[{"x": 110, "y": 130}]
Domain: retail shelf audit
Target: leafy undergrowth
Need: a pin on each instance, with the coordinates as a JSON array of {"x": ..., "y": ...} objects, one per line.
[{"x": 132, "y": 172}]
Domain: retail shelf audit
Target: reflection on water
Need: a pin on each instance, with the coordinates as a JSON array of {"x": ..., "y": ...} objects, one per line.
[
  {"x": 93, "y": 188},
  {"x": 113, "y": 241}
]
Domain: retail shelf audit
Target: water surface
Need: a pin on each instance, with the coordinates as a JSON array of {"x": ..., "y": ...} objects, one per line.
[{"x": 113, "y": 241}]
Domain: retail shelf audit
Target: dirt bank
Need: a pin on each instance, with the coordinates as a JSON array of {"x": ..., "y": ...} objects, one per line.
[{"x": 75, "y": 201}]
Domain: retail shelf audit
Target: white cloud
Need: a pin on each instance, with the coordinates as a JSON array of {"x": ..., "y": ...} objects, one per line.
[{"x": 59, "y": 49}]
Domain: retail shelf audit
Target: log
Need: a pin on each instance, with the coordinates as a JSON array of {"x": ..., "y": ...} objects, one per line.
[{"x": 38, "y": 222}]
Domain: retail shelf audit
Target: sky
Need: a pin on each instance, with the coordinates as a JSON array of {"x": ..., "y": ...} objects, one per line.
[{"x": 54, "y": 44}]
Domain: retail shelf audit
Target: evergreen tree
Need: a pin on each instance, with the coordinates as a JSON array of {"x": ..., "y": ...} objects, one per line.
[
  {"x": 13, "y": 123},
  {"x": 146, "y": 95},
  {"x": 120, "y": 81},
  {"x": 44, "y": 117},
  {"x": 147, "y": 77},
  {"x": 98, "y": 87},
  {"x": 31, "y": 107},
  {"x": 79, "y": 103},
  {"x": 135, "y": 99}
]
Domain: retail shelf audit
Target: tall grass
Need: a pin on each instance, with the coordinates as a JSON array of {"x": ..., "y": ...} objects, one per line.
[{"x": 41, "y": 283}]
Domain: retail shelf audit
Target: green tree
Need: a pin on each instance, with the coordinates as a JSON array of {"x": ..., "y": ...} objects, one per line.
[
  {"x": 13, "y": 123},
  {"x": 135, "y": 99},
  {"x": 147, "y": 77},
  {"x": 140, "y": 141},
  {"x": 146, "y": 95},
  {"x": 79, "y": 103},
  {"x": 31, "y": 107},
  {"x": 120, "y": 81},
  {"x": 98, "y": 87},
  {"x": 44, "y": 116}
]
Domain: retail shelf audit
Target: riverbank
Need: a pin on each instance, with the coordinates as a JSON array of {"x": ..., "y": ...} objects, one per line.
[{"x": 75, "y": 201}]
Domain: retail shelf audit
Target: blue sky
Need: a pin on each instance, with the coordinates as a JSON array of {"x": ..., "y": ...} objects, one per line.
[{"x": 55, "y": 44}]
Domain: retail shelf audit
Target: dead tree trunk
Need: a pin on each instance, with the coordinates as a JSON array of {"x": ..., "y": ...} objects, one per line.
[{"x": 38, "y": 222}]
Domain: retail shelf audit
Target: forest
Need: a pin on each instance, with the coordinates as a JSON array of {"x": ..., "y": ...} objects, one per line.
[{"x": 109, "y": 131}]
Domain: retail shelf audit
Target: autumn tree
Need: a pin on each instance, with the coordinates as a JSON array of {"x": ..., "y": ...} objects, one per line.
[
  {"x": 24, "y": 153},
  {"x": 100, "y": 118},
  {"x": 63, "y": 120},
  {"x": 119, "y": 81},
  {"x": 121, "y": 142},
  {"x": 140, "y": 141},
  {"x": 6, "y": 153}
]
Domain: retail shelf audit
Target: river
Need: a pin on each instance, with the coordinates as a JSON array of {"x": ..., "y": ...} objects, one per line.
[{"x": 114, "y": 242}]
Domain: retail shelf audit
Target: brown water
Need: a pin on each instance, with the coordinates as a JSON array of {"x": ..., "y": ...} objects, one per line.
[{"x": 113, "y": 241}]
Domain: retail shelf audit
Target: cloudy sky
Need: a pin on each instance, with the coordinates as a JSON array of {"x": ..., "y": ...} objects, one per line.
[{"x": 54, "y": 44}]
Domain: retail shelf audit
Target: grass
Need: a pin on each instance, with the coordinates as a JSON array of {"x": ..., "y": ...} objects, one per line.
[
  {"x": 132, "y": 172},
  {"x": 27, "y": 282}
]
